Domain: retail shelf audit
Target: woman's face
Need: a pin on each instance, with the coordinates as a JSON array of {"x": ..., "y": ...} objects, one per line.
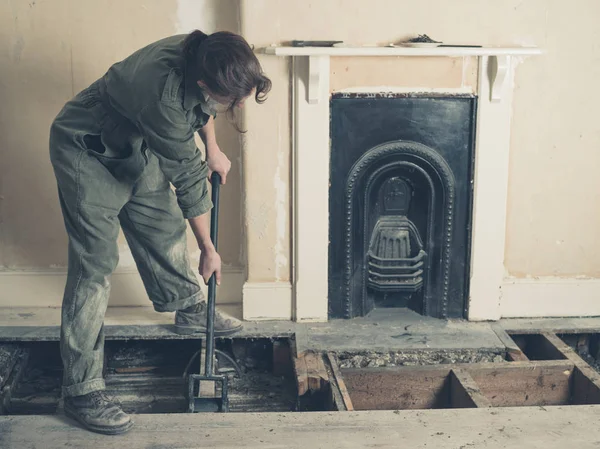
[{"x": 223, "y": 102}]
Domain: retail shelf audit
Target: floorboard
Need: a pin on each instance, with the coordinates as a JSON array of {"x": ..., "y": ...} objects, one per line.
[{"x": 518, "y": 428}]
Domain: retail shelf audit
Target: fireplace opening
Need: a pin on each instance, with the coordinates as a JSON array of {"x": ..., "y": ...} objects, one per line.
[
  {"x": 396, "y": 256},
  {"x": 400, "y": 203}
]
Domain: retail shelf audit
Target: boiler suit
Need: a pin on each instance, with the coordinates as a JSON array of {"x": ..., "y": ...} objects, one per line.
[{"x": 116, "y": 148}]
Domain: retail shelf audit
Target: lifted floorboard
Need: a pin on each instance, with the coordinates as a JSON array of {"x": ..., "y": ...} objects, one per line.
[{"x": 518, "y": 428}]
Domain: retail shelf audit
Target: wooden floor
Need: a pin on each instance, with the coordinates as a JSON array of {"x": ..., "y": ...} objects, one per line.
[{"x": 519, "y": 428}]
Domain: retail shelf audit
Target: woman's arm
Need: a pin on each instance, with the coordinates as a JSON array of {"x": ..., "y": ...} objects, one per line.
[
  {"x": 210, "y": 261},
  {"x": 216, "y": 159},
  {"x": 170, "y": 137},
  {"x": 207, "y": 134}
]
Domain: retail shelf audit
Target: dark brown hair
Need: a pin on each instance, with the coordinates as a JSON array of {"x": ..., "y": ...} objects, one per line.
[{"x": 227, "y": 65}]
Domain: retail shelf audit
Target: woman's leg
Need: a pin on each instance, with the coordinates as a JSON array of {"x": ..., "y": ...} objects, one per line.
[
  {"x": 90, "y": 200},
  {"x": 156, "y": 232}
]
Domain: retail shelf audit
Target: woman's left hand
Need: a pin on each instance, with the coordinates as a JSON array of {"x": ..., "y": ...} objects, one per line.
[{"x": 217, "y": 162}]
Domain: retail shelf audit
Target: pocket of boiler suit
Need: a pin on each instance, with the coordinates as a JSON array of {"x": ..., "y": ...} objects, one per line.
[{"x": 117, "y": 148}]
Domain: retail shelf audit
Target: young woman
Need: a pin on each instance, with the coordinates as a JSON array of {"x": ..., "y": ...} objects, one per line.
[{"x": 116, "y": 148}]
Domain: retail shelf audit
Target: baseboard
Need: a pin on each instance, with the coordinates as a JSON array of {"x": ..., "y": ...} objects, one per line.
[
  {"x": 267, "y": 301},
  {"x": 45, "y": 288},
  {"x": 550, "y": 297}
]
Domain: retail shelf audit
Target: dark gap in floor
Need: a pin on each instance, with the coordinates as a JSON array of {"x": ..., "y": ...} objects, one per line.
[
  {"x": 537, "y": 347},
  {"x": 587, "y": 345},
  {"x": 147, "y": 376}
]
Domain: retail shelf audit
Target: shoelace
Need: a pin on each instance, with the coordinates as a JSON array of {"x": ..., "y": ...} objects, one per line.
[{"x": 100, "y": 398}]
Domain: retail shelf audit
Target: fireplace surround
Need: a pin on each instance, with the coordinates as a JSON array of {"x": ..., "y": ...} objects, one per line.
[{"x": 310, "y": 70}]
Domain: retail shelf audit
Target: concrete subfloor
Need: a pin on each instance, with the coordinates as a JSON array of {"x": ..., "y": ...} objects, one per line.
[
  {"x": 383, "y": 330},
  {"x": 518, "y": 428}
]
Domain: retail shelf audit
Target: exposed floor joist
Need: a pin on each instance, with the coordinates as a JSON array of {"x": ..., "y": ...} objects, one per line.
[
  {"x": 464, "y": 391},
  {"x": 341, "y": 400}
]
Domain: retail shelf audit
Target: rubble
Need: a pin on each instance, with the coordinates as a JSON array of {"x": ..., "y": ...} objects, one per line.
[{"x": 368, "y": 359}]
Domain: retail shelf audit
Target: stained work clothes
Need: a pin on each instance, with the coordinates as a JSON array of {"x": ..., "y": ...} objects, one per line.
[{"x": 115, "y": 149}]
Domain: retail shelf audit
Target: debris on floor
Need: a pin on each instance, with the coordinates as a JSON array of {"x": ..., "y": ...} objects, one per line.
[
  {"x": 13, "y": 359},
  {"x": 367, "y": 359},
  {"x": 260, "y": 392}
]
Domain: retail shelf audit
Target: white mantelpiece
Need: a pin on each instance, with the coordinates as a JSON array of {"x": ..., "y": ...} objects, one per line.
[
  {"x": 402, "y": 51},
  {"x": 310, "y": 172},
  {"x": 318, "y": 60}
]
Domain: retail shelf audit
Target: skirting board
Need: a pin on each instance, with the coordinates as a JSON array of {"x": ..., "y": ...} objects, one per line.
[
  {"x": 543, "y": 297},
  {"x": 267, "y": 301},
  {"x": 45, "y": 288}
]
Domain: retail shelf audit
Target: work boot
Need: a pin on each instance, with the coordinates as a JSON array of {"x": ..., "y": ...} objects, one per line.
[
  {"x": 193, "y": 321},
  {"x": 98, "y": 413}
]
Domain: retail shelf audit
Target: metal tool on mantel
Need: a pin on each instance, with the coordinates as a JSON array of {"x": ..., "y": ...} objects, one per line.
[{"x": 216, "y": 400}]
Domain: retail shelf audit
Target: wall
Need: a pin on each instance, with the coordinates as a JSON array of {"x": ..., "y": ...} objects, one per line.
[
  {"x": 553, "y": 211},
  {"x": 50, "y": 50}
]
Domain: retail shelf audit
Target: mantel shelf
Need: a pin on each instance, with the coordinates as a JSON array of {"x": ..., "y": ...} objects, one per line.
[
  {"x": 402, "y": 51},
  {"x": 318, "y": 61}
]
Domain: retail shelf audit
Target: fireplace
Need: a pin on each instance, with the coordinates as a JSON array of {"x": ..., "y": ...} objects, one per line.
[
  {"x": 400, "y": 203},
  {"x": 473, "y": 78}
]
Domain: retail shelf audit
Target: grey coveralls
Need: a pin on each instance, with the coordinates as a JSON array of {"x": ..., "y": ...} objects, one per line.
[{"x": 115, "y": 149}]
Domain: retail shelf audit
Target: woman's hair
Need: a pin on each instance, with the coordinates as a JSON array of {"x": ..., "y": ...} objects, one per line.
[{"x": 226, "y": 64}]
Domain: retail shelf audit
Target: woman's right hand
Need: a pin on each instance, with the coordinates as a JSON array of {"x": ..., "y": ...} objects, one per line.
[
  {"x": 210, "y": 263},
  {"x": 217, "y": 162}
]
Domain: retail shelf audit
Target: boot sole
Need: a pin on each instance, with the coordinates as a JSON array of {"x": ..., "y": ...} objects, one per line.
[
  {"x": 192, "y": 330},
  {"x": 99, "y": 429}
]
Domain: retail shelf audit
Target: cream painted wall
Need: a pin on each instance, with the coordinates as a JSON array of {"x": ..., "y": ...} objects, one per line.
[
  {"x": 554, "y": 199},
  {"x": 50, "y": 50}
]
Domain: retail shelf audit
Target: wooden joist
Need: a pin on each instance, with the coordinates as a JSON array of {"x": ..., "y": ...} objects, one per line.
[
  {"x": 464, "y": 391},
  {"x": 525, "y": 383},
  {"x": 513, "y": 351},
  {"x": 586, "y": 381},
  {"x": 319, "y": 373},
  {"x": 391, "y": 388},
  {"x": 339, "y": 391},
  {"x": 516, "y": 355},
  {"x": 484, "y": 385},
  {"x": 554, "y": 375},
  {"x": 311, "y": 374}
]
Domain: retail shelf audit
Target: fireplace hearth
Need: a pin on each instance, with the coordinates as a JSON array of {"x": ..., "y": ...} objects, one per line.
[{"x": 400, "y": 203}]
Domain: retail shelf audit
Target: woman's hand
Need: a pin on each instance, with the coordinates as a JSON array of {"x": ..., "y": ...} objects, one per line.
[
  {"x": 217, "y": 162},
  {"x": 210, "y": 262}
]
